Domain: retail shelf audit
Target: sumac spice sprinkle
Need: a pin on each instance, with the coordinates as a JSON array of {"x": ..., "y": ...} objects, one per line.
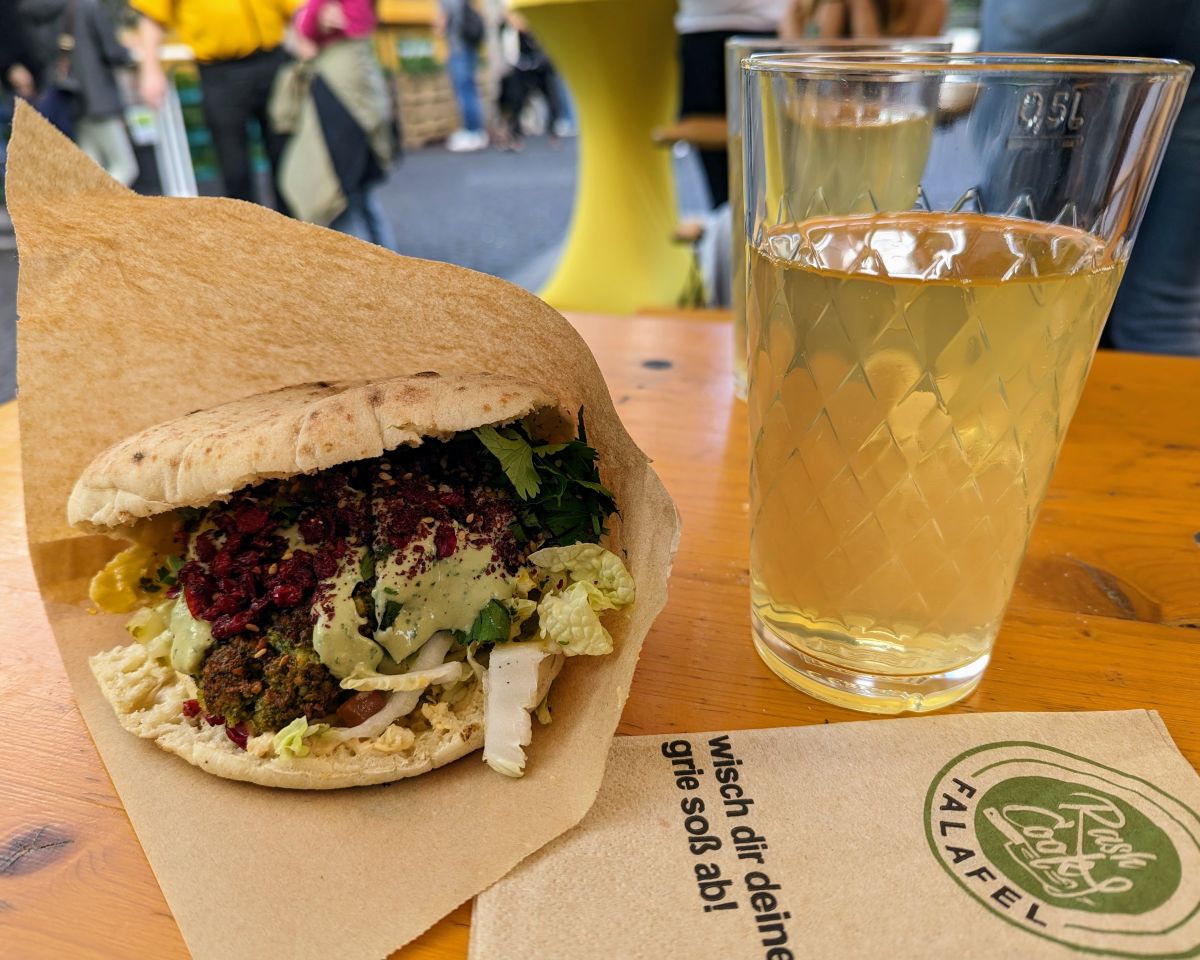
[{"x": 259, "y": 569}]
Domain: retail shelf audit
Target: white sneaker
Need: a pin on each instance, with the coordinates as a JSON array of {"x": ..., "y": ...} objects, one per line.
[
  {"x": 564, "y": 128},
  {"x": 465, "y": 141}
]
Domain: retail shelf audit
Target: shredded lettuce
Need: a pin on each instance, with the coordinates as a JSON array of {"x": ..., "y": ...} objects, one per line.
[
  {"x": 431, "y": 654},
  {"x": 610, "y": 585},
  {"x": 151, "y": 627},
  {"x": 521, "y": 610},
  {"x": 290, "y": 740},
  {"x": 517, "y": 678},
  {"x": 148, "y": 622},
  {"x": 568, "y": 620},
  {"x": 415, "y": 680}
]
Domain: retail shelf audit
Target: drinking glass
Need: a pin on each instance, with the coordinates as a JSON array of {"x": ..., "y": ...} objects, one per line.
[
  {"x": 924, "y": 300},
  {"x": 738, "y": 49}
]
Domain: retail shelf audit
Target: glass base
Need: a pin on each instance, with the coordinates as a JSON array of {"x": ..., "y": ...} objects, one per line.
[{"x": 866, "y": 692}]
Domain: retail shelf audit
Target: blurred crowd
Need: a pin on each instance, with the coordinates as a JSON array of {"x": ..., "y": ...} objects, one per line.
[
  {"x": 305, "y": 74},
  {"x": 302, "y": 73}
]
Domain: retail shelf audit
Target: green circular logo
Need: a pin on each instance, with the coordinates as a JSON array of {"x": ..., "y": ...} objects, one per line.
[
  {"x": 1070, "y": 850},
  {"x": 1077, "y": 846}
]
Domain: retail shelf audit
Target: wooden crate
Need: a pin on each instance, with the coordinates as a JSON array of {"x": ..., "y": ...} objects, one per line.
[{"x": 428, "y": 110}]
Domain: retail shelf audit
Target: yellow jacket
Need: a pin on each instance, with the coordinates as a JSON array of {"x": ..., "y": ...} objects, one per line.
[{"x": 222, "y": 29}]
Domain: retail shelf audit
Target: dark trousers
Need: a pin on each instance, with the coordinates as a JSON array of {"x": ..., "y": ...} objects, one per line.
[
  {"x": 702, "y": 75},
  {"x": 236, "y": 92},
  {"x": 517, "y": 86}
]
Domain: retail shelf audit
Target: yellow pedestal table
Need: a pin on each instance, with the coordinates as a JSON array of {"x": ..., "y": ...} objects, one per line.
[{"x": 618, "y": 58}]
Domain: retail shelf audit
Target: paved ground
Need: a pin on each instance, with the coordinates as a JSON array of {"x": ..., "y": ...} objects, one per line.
[{"x": 502, "y": 213}]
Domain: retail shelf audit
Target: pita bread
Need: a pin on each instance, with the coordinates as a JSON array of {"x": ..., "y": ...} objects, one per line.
[
  {"x": 207, "y": 455},
  {"x": 148, "y": 697}
]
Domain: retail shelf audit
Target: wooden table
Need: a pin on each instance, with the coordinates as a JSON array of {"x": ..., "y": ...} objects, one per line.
[
  {"x": 1106, "y": 615},
  {"x": 703, "y": 131}
]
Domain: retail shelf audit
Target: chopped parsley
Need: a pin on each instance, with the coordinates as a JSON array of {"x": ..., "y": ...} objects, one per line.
[
  {"x": 166, "y": 576},
  {"x": 391, "y": 610},
  {"x": 491, "y": 625},
  {"x": 560, "y": 497}
]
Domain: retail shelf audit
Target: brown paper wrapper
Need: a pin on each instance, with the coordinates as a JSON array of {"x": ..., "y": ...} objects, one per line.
[
  {"x": 992, "y": 837},
  {"x": 134, "y": 310}
]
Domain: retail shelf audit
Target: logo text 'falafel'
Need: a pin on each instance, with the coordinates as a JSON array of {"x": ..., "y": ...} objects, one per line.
[{"x": 1070, "y": 850}]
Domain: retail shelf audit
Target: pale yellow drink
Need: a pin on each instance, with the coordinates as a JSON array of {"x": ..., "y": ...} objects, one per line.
[
  {"x": 913, "y": 376},
  {"x": 737, "y": 251},
  {"x": 830, "y": 157}
]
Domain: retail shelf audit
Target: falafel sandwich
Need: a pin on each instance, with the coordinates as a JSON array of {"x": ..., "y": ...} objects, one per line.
[{"x": 337, "y": 584}]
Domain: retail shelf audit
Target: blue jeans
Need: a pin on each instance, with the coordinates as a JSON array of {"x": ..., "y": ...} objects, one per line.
[
  {"x": 364, "y": 218},
  {"x": 463, "y": 63},
  {"x": 1157, "y": 309}
]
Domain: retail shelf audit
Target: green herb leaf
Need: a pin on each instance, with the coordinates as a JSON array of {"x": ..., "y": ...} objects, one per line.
[
  {"x": 568, "y": 503},
  {"x": 150, "y": 586},
  {"x": 366, "y": 566},
  {"x": 391, "y": 611},
  {"x": 165, "y": 576},
  {"x": 390, "y": 591},
  {"x": 491, "y": 624},
  {"x": 190, "y": 515},
  {"x": 287, "y": 513},
  {"x": 548, "y": 449},
  {"x": 515, "y": 454}
]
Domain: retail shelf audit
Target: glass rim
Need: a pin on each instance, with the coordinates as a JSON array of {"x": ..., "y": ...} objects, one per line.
[
  {"x": 879, "y": 65},
  {"x": 867, "y": 45}
]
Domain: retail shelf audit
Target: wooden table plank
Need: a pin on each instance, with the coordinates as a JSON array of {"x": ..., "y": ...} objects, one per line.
[
  {"x": 705, "y": 131},
  {"x": 1105, "y": 615}
]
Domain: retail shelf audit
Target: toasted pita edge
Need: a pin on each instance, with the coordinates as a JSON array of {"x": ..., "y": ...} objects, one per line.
[{"x": 207, "y": 455}]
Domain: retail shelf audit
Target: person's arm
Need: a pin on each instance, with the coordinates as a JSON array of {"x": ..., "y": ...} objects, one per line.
[
  {"x": 152, "y": 79},
  {"x": 794, "y": 22},
  {"x": 929, "y": 16},
  {"x": 830, "y": 18},
  {"x": 865, "y": 22},
  {"x": 14, "y": 53}
]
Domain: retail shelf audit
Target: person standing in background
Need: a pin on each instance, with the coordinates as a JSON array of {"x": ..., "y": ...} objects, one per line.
[
  {"x": 462, "y": 26},
  {"x": 238, "y": 45},
  {"x": 529, "y": 71},
  {"x": 703, "y": 27},
  {"x": 864, "y": 19},
  {"x": 1157, "y": 309},
  {"x": 341, "y": 148},
  {"x": 97, "y": 112}
]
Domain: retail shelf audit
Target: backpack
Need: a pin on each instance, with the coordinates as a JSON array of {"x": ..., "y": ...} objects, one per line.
[{"x": 470, "y": 25}]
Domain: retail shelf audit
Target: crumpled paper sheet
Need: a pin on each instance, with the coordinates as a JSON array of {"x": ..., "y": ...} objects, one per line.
[{"x": 134, "y": 310}]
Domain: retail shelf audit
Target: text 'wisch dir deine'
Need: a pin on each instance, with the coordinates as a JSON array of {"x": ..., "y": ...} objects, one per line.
[{"x": 709, "y": 843}]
